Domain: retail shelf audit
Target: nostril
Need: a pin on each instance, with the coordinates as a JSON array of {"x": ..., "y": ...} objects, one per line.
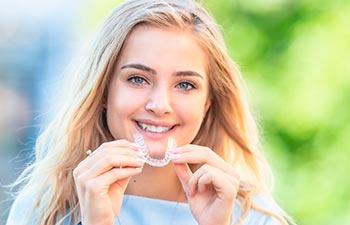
[{"x": 159, "y": 106}]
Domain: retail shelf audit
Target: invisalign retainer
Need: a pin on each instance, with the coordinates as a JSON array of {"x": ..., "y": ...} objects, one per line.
[{"x": 152, "y": 161}]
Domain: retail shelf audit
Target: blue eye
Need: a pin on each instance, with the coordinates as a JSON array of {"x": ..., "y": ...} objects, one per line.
[
  {"x": 186, "y": 86},
  {"x": 137, "y": 80}
]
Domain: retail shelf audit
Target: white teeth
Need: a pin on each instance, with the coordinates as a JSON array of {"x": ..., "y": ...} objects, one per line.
[{"x": 152, "y": 128}]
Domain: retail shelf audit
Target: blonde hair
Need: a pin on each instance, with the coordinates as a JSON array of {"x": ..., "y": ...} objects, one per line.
[{"x": 228, "y": 127}]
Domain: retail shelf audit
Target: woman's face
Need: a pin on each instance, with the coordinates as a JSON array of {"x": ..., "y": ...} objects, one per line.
[{"x": 159, "y": 88}]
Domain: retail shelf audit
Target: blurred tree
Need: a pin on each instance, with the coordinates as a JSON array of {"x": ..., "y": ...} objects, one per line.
[{"x": 294, "y": 55}]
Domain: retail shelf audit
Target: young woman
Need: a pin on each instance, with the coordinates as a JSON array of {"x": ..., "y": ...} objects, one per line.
[{"x": 156, "y": 131}]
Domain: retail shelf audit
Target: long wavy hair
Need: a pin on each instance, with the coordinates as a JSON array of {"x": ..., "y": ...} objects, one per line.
[{"x": 228, "y": 128}]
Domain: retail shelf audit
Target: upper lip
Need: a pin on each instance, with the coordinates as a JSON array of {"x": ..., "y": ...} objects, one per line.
[{"x": 155, "y": 123}]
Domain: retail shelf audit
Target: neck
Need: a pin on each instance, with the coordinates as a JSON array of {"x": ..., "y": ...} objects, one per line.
[{"x": 157, "y": 182}]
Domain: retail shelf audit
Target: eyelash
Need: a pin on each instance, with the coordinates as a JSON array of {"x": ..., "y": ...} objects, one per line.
[
  {"x": 190, "y": 84},
  {"x": 132, "y": 80}
]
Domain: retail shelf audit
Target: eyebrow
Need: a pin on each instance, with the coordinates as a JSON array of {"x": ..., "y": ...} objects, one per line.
[
  {"x": 139, "y": 67},
  {"x": 188, "y": 73},
  {"x": 154, "y": 72}
]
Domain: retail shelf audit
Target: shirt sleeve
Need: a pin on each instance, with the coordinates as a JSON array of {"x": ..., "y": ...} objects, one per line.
[{"x": 21, "y": 209}]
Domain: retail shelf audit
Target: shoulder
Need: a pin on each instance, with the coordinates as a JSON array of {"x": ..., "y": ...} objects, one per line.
[
  {"x": 22, "y": 208},
  {"x": 263, "y": 211}
]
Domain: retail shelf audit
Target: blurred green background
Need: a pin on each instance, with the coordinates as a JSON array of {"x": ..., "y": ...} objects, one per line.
[{"x": 294, "y": 56}]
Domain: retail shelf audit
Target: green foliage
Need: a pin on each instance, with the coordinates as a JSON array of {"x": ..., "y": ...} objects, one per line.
[{"x": 295, "y": 58}]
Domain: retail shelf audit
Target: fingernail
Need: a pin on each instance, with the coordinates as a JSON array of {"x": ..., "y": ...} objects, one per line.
[
  {"x": 175, "y": 156},
  {"x": 139, "y": 169},
  {"x": 141, "y": 160},
  {"x": 187, "y": 192},
  {"x": 135, "y": 145},
  {"x": 140, "y": 154},
  {"x": 178, "y": 150}
]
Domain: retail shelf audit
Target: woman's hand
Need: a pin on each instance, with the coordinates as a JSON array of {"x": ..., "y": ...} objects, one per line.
[
  {"x": 101, "y": 180},
  {"x": 211, "y": 191}
]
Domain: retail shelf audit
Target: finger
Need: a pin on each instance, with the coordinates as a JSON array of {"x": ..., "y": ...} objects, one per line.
[
  {"x": 208, "y": 175},
  {"x": 184, "y": 174},
  {"x": 117, "y": 144},
  {"x": 195, "y": 154},
  {"x": 109, "y": 162},
  {"x": 193, "y": 182},
  {"x": 107, "y": 159},
  {"x": 101, "y": 184},
  {"x": 98, "y": 165},
  {"x": 112, "y": 184},
  {"x": 107, "y": 149},
  {"x": 204, "y": 180}
]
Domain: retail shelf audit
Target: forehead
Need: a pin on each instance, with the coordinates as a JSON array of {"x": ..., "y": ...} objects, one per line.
[{"x": 176, "y": 48}]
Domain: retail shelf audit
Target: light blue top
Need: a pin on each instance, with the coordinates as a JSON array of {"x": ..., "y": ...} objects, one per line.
[{"x": 147, "y": 211}]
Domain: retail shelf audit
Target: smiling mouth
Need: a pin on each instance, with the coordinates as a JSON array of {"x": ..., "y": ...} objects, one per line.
[{"x": 153, "y": 128}]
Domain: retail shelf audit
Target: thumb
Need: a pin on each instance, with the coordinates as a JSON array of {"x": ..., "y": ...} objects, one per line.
[{"x": 184, "y": 173}]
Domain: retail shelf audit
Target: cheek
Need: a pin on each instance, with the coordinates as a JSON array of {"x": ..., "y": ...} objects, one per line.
[
  {"x": 122, "y": 101},
  {"x": 191, "y": 119},
  {"x": 191, "y": 112},
  {"x": 121, "y": 106},
  {"x": 115, "y": 115}
]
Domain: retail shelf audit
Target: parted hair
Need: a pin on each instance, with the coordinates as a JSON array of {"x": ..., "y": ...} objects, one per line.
[{"x": 228, "y": 127}]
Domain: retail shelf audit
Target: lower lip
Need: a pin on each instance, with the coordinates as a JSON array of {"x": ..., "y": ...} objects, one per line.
[{"x": 153, "y": 135}]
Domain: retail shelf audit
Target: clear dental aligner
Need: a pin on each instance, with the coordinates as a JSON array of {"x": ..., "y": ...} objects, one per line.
[{"x": 152, "y": 161}]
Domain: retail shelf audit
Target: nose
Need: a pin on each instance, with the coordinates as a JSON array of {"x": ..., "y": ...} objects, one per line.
[{"x": 159, "y": 102}]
